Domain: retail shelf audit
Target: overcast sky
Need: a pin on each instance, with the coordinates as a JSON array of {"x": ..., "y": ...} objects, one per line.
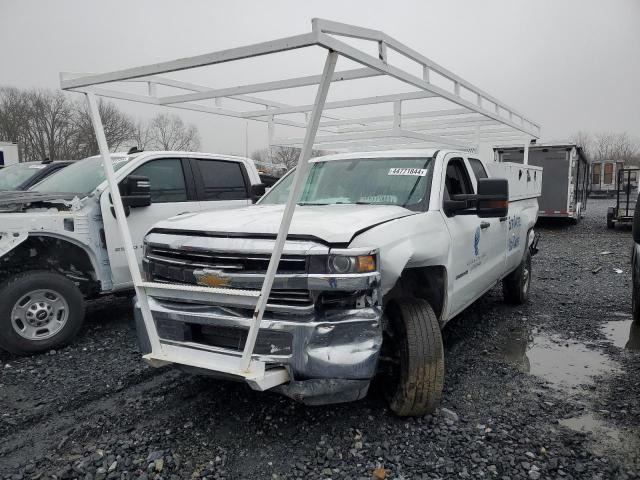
[{"x": 570, "y": 65}]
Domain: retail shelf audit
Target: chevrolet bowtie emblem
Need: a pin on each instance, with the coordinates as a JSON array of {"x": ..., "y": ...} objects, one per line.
[{"x": 212, "y": 278}]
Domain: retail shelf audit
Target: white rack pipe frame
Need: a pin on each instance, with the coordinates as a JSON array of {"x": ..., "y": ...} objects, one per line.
[
  {"x": 354, "y": 131},
  {"x": 323, "y": 35}
]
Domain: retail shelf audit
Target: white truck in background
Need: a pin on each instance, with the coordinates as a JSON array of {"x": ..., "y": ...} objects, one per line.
[
  {"x": 383, "y": 250},
  {"x": 59, "y": 243}
]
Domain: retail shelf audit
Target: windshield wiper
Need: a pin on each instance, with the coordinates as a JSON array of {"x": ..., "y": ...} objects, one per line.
[{"x": 311, "y": 203}]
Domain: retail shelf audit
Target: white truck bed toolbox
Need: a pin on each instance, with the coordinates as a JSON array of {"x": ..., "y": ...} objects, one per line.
[{"x": 525, "y": 181}]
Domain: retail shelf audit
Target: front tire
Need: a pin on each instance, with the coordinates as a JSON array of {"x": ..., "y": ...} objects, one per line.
[
  {"x": 39, "y": 310},
  {"x": 417, "y": 344},
  {"x": 516, "y": 285}
]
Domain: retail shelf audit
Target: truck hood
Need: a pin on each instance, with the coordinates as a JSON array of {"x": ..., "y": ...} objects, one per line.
[
  {"x": 14, "y": 201},
  {"x": 329, "y": 223}
]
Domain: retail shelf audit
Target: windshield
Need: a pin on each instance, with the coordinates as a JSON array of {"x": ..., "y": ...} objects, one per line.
[
  {"x": 80, "y": 178},
  {"x": 12, "y": 177},
  {"x": 404, "y": 182}
]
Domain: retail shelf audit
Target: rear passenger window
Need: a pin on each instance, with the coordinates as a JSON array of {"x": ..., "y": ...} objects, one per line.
[
  {"x": 222, "y": 180},
  {"x": 478, "y": 168}
]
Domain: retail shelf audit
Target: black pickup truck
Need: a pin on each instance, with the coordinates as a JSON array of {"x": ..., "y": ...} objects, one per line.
[{"x": 25, "y": 175}]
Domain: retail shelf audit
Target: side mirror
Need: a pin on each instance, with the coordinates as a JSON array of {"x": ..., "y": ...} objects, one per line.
[
  {"x": 459, "y": 205},
  {"x": 636, "y": 222},
  {"x": 493, "y": 198},
  {"x": 257, "y": 191},
  {"x": 135, "y": 191}
]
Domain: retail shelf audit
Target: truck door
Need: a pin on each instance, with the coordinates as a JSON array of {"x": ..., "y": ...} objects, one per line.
[
  {"x": 470, "y": 246},
  {"x": 172, "y": 193},
  {"x": 494, "y": 233},
  {"x": 221, "y": 183}
]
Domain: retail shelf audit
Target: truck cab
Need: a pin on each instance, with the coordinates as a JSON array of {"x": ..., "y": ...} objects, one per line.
[
  {"x": 60, "y": 244},
  {"x": 383, "y": 250}
]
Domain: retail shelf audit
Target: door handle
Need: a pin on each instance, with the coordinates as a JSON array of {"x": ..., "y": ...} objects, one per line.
[
  {"x": 484, "y": 225},
  {"x": 503, "y": 219}
]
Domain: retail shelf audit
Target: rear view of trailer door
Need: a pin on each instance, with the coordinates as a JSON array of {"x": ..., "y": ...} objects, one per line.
[{"x": 555, "y": 181}]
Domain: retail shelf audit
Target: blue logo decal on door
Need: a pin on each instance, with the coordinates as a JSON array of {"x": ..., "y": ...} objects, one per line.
[{"x": 476, "y": 242}]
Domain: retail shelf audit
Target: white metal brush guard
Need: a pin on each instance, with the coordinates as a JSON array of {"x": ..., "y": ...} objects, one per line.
[{"x": 486, "y": 119}]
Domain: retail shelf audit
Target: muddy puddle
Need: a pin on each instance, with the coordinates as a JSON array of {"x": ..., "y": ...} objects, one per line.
[
  {"x": 565, "y": 364},
  {"x": 571, "y": 366},
  {"x": 606, "y": 437},
  {"x": 623, "y": 334}
]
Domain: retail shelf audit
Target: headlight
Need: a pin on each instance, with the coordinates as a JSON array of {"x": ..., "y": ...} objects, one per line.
[{"x": 342, "y": 264}]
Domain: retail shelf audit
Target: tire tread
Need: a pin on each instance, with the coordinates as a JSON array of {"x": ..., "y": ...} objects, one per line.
[{"x": 422, "y": 391}]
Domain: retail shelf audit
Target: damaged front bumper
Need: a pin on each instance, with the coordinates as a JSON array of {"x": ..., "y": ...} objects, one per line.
[
  {"x": 324, "y": 328},
  {"x": 331, "y": 357}
]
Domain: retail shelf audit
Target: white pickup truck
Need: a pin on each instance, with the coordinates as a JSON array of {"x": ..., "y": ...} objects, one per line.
[
  {"x": 383, "y": 250},
  {"x": 60, "y": 244}
]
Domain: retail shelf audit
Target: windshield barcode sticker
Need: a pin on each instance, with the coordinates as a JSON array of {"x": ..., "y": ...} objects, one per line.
[{"x": 414, "y": 172}]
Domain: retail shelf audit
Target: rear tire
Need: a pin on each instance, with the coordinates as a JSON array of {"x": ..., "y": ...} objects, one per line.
[
  {"x": 417, "y": 342},
  {"x": 516, "y": 285},
  {"x": 39, "y": 310}
]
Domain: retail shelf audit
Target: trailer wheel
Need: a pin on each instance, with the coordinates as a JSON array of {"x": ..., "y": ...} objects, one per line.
[
  {"x": 39, "y": 310},
  {"x": 610, "y": 223},
  {"x": 516, "y": 285},
  {"x": 416, "y": 343}
]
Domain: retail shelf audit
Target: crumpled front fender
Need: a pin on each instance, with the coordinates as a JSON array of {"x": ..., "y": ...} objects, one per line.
[
  {"x": 415, "y": 241},
  {"x": 11, "y": 240}
]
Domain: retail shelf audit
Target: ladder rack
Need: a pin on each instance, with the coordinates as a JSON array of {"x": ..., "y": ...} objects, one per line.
[{"x": 470, "y": 117}]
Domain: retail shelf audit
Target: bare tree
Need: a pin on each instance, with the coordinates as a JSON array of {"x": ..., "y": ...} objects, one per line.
[
  {"x": 168, "y": 132},
  {"x": 287, "y": 156},
  {"x": 14, "y": 118},
  {"x": 626, "y": 147},
  {"x": 48, "y": 124},
  {"x": 141, "y": 136},
  {"x": 261, "y": 155},
  {"x": 281, "y": 155},
  {"x": 608, "y": 146},
  {"x": 583, "y": 139},
  {"x": 119, "y": 128},
  {"x": 603, "y": 146}
]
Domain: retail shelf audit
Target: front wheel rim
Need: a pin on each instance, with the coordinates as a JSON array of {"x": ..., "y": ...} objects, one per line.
[{"x": 39, "y": 314}]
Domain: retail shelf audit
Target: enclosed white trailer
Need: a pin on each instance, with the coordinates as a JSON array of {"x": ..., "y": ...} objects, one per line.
[
  {"x": 8, "y": 154},
  {"x": 463, "y": 117},
  {"x": 566, "y": 181}
]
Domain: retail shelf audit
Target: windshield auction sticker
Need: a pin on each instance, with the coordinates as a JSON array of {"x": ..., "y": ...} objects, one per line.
[{"x": 412, "y": 172}]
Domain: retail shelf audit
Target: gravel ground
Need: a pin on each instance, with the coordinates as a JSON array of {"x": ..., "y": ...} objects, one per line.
[{"x": 536, "y": 392}]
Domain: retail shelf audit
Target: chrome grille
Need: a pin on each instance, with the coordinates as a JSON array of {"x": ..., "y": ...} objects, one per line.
[
  {"x": 165, "y": 265},
  {"x": 252, "y": 263}
]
